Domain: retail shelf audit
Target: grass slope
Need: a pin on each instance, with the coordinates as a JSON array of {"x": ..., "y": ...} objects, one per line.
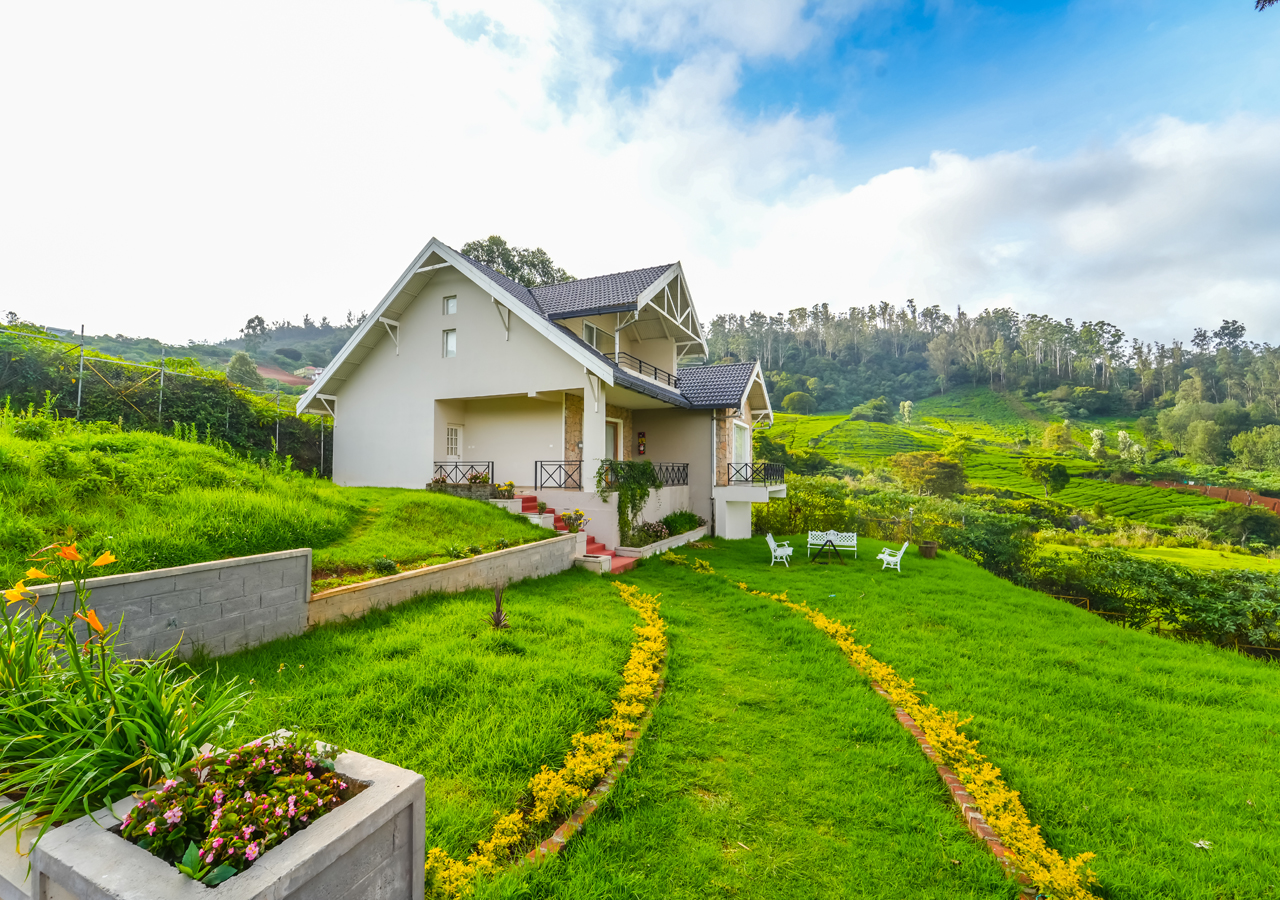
[
  {"x": 158, "y": 501},
  {"x": 980, "y": 413},
  {"x": 1122, "y": 743},
  {"x": 1191, "y": 557}
]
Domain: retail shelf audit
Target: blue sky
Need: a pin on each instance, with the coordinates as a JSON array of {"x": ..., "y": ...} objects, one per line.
[
  {"x": 184, "y": 167},
  {"x": 902, "y": 80}
]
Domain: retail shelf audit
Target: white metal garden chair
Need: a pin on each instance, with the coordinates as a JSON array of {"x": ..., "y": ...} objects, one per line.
[
  {"x": 892, "y": 558},
  {"x": 780, "y": 550}
]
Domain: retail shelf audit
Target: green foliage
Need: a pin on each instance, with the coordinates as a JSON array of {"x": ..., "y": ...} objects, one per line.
[
  {"x": 929, "y": 473},
  {"x": 79, "y": 726},
  {"x": 1259, "y": 448},
  {"x": 682, "y": 520},
  {"x": 632, "y": 480},
  {"x": 243, "y": 370},
  {"x": 799, "y": 403},
  {"x": 876, "y": 410},
  {"x": 1052, "y": 475},
  {"x": 531, "y": 268},
  {"x": 382, "y": 566}
]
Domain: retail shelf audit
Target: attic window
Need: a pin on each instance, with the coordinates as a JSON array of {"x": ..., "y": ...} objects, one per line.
[
  {"x": 591, "y": 334},
  {"x": 450, "y": 305}
]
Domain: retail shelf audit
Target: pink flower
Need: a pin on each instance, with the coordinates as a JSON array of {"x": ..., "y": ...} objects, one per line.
[
  {"x": 128, "y": 817},
  {"x": 218, "y": 796},
  {"x": 251, "y": 852},
  {"x": 248, "y": 795},
  {"x": 209, "y": 857},
  {"x": 169, "y": 783},
  {"x": 217, "y": 842},
  {"x": 279, "y": 812},
  {"x": 304, "y": 818},
  {"x": 246, "y": 831},
  {"x": 173, "y": 815},
  {"x": 151, "y": 828}
]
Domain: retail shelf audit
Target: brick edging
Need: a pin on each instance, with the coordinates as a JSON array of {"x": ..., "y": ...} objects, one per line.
[
  {"x": 574, "y": 823},
  {"x": 969, "y": 811}
]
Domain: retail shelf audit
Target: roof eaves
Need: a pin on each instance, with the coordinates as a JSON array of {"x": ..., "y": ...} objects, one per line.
[{"x": 593, "y": 311}]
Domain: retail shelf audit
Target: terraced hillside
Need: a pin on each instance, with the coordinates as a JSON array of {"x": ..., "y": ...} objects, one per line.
[{"x": 1001, "y": 426}]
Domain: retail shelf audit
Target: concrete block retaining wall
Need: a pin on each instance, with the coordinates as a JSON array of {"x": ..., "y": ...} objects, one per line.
[
  {"x": 663, "y": 545},
  {"x": 222, "y": 606},
  {"x": 485, "y": 571}
]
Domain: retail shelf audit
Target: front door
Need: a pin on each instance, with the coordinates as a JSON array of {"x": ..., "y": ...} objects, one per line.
[{"x": 453, "y": 442}]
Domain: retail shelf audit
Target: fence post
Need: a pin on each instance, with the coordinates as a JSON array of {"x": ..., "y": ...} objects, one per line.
[
  {"x": 322, "y": 446},
  {"x": 160, "y": 410},
  {"x": 277, "y": 423},
  {"x": 80, "y": 380}
]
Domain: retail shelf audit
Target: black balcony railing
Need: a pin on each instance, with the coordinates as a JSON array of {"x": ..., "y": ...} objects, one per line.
[
  {"x": 558, "y": 473},
  {"x": 668, "y": 473},
  {"x": 757, "y": 473},
  {"x": 635, "y": 364},
  {"x": 455, "y": 472},
  {"x": 672, "y": 473}
]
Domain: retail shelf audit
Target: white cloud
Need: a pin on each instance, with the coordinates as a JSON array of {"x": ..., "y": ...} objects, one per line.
[
  {"x": 1173, "y": 228},
  {"x": 173, "y": 170}
]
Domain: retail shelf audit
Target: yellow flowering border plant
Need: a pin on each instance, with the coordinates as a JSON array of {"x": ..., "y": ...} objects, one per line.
[
  {"x": 1056, "y": 877},
  {"x": 555, "y": 793}
]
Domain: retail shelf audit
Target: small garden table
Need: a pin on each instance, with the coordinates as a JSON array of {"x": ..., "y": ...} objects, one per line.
[{"x": 828, "y": 548}]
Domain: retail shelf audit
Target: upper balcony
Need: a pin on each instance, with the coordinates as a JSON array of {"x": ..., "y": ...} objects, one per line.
[{"x": 640, "y": 367}]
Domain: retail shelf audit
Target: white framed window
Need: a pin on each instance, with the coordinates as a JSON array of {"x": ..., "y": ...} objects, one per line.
[
  {"x": 450, "y": 305},
  {"x": 741, "y": 443},
  {"x": 591, "y": 334},
  {"x": 450, "y": 347}
]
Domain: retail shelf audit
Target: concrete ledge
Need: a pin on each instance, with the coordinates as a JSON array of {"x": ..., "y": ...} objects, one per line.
[
  {"x": 373, "y": 846},
  {"x": 515, "y": 506},
  {"x": 663, "y": 545},
  {"x": 598, "y": 564},
  {"x": 487, "y": 570}
]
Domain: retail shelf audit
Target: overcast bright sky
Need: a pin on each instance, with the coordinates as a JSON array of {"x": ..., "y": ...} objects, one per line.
[{"x": 170, "y": 169}]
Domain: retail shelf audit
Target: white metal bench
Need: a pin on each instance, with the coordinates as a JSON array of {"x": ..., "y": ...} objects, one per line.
[
  {"x": 892, "y": 558},
  {"x": 781, "y": 551},
  {"x": 840, "y": 539}
]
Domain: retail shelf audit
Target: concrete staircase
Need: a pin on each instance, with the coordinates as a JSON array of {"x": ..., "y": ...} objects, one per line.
[{"x": 529, "y": 504}]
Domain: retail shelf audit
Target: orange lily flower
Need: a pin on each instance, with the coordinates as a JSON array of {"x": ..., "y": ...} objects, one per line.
[
  {"x": 70, "y": 553},
  {"x": 92, "y": 619},
  {"x": 19, "y": 592},
  {"x": 105, "y": 559},
  {"x": 36, "y": 573}
]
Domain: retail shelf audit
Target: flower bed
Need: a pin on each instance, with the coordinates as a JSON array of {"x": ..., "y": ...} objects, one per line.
[
  {"x": 223, "y": 812},
  {"x": 554, "y": 793}
]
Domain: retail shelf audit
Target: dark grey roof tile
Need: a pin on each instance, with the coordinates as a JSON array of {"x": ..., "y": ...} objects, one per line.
[
  {"x": 603, "y": 293},
  {"x": 716, "y": 386}
]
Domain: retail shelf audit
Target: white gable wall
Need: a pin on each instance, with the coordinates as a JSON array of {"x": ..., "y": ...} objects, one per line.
[{"x": 387, "y": 432}]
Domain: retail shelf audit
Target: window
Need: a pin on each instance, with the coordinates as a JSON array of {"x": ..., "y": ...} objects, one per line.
[
  {"x": 450, "y": 305},
  {"x": 591, "y": 334},
  {"x": 451, "y": 442},
  {"x": 741, "y": 443},
  {"x": 451, "y": 343}
]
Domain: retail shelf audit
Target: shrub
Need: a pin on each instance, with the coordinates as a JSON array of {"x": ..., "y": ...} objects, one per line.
[
  {"x": 800, "y": 403},
  {"x": 221, "y": 814},
  {"x": 648, "y": 533},
  {"x": 682, "y": 520},
  {"x": 383, "y": 566}
]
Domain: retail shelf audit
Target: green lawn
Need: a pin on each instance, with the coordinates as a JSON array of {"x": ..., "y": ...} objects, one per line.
[
  {"x": 1122, "y": 743},
  {"x": 1192, "y": 557},
  {"x": 430, "y": 686},
  {"x": 771, "y": 769},
  {"x": 980, "y": 413},
  {"x": 417, "y": 528}
]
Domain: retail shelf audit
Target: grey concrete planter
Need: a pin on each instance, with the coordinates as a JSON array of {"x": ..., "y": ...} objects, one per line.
[
  {"x": 372, "y": 846},
  {"x": 663, "y": 545}
]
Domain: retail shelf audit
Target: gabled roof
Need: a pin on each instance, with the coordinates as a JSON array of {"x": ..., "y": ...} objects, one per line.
[
  {"x": 716, "y": 386},
  {"x": 651, "y": 292},
  {"x": 725, "y": 385},
  {"x": 592, "y": 296}
]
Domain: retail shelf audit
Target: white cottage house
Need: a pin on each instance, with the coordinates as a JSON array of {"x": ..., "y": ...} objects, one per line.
[{"x": 461, "y": 369}]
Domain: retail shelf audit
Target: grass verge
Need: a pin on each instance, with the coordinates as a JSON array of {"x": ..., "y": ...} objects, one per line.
[{"x": 1124, "y": 744}]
